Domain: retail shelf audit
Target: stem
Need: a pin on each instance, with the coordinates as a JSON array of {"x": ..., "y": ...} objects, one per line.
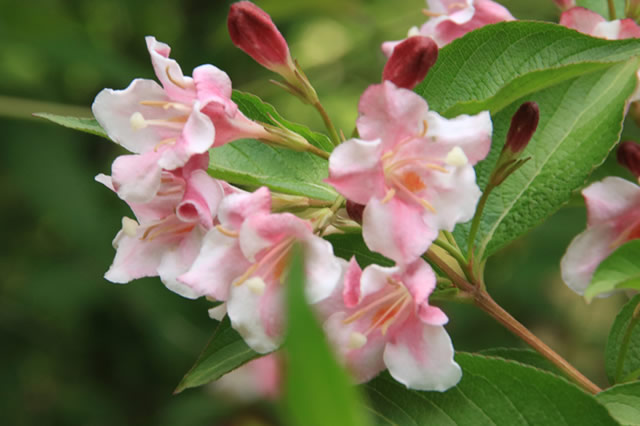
[
  {"x": 317, "y": 151},
  {"x": 476, "y": 217},
  {"x": 487, "y": 304},
  {"x": 335, "y": 139},
  {"x": 453, "y": 251},
  {"x": 612, "y": 10},
  {"x": 624, "y": 347}
]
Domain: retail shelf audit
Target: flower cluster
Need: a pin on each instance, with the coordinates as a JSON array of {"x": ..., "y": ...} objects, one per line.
[{"x": 409, "y": 173}]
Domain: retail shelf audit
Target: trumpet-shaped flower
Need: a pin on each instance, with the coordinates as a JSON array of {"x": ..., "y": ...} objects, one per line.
[
  {"x": 385, "y": 320},
  {"x": 167, "y": 235},
  {"x": 589, "y": 22},
  {"x": 451, "y": 19},
  {"x": 613, "y": 218},
  {"x": 413, "y": 169},
  {"x": 165, "y": 125}
]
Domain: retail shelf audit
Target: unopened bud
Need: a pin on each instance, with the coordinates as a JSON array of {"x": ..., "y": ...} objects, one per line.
[
  {"x": 354, "y": 210},
  {"x": 629, "y": 157},
  {"x": 565, "y": 4},
  {"x": 410, "y": 61},
  {"x": 523, "y": 125},
  {"x": 253, "y": 31}
]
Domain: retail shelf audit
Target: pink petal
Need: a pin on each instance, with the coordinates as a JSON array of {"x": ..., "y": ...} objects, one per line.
[
  {"x": 375, "y": 278},
  {"x": 628, "y": 29},
  {"x": 396, "y": 230},
  {"x": 176, "y": 85},
  {"x": 201, "y": 199},
  {"x": 136, "y": 178},
  {"x": 421, "y": 358},
  {"x": 178, "y": 260},
  {"x": 135, "y": 258},
  {"x": 323, "y": 269},
  {"x": 197, "y": 137},
  {"x": 351, "y": 292},
  {"x": 261, "y": 231},
  {"x": 235, "y": 208},
  {"x": 581, "y": 19},
  {"x": 214, "y": 85},
  {"x": 609, "y": 198},
  {"x": 472, "y": 133},
  {"x": 355, "y": 170},
  {"x": 420, "y": 280},
  {"x": 454, "y": 197},
  {"x": 390, "y": 114}
]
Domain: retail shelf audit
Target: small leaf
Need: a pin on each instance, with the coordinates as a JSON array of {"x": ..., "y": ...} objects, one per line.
[
  {"x": 318, "y": 391},
  {"x": 225, "y": 352},
  {"x": 348, "y": 245},
  {"x": 492, "y": 392},
  {"x": 623, "y": 402},
  {"x": 87, "y": 125},
  {"x": 622, "y": 355},
  {"x": 252, "y": 163},
  {"x": 619, "y": 271}
]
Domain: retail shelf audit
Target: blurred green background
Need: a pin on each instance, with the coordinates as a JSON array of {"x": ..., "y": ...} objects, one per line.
[{"x": 77, "y": 349}]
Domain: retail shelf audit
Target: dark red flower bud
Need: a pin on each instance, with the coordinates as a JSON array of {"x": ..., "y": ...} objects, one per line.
[
  {"x": 354, "y": 210},
  {"x": 253, "y": 31},
  {"x": 410, "y": 61},
  {"x": 523, "y": 125},
  {"x": 629, "y": 157}
]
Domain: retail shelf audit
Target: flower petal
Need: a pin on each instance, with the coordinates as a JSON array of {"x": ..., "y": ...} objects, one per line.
[
  {"x": 323, "y": 269},
  {"x": 200, "y": 202},
  {"x": 609, "y": 198},
  {"x": 236, "y": 207},
  {"x": 454, "y": 197},
  {"x": 136, "y": 178},
  {"x": 472, "y": 133},
  {"x": 178, "y": 260},
  {"x": 176, "y": 85}
]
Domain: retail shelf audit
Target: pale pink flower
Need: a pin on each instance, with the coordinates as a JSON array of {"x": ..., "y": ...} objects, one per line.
[
  {"x": 167, "y": 235},
  {"x": 451, "y": 19},
  {"x": 613, "y": 218},
  {"x": 257, "y": 379},
  {"x": 255, "y": 304},
  {"x": 589, "y": 22},
  {"x": 165, "y": 125},
  {"x": 412, "y": 168},
  {"x": 383, "y": 319}
]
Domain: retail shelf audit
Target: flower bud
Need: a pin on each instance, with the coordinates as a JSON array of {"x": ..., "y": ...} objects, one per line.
[
  {"x": 523, "y": 125},
  {"x": 253, "y": 31},
  {"x": 629, "y": 157},
  {"x": 565, "y": 4},
  {"x": 410, "y": 61},
  {"x": 354, "y": 210}
]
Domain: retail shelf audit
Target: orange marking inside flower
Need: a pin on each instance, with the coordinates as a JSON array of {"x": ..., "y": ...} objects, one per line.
[
  {"x": 634, "y": 233},
  {"x": 413, "y": 182}
]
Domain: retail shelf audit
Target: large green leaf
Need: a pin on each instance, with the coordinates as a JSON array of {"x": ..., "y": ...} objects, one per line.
[
  {"x": 252, "y": 163},
  {"x": 492, "y": 392},
  {"x": 491, "y": 67},
  {"x": 225, "y": 352},
  {"x": 580, "y": 122},
  {"x": 620, "y": 270},
  {"x": 318, "y": 390},
  {"x": 524, "y": 356},
  {"x": 87, "y": 125},
  {"x": 622, "y": 355},
  {"x": 623, "y": 402}
]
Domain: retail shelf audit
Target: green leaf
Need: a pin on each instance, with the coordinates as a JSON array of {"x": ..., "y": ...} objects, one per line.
[
  {"x": 493, "y": 66},
  {"x": 581, "y": 85},
  {"x": 623, "y": 402},
  {"x": 492, "y": 392},
  {"x": 318, "y": 391},
  {"x": 87, "y": 125},
  {"x": 524, "y": 356},
  {"x": 225, "y": 352},
  {"x": 620, "y": 270},
  {"x": 580, "y": 122},
  {"x": 622, "y": 355},
  {"x": 252, "y": 163},
  {"x": 348, "y": 245}
]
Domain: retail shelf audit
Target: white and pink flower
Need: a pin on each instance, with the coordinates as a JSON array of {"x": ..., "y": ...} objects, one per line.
[
  {"x": 412, "y": 168},
  {"x": 613, "y": 218},
  {"x": 451, "y": 19},
  {"x": 589, "y": 22},
  {"x": 167, "y": 235},
  {"x": 381, "y": 318},
  {"x": 165, "y": 125}
]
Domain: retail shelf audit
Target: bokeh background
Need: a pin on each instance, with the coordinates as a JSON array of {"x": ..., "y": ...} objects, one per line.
[{"x": 76, "y": 349}]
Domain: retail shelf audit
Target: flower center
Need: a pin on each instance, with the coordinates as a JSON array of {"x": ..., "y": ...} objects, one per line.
[
  {"x": 271, "y": 266},
  {"x": 170, "y": 225}
]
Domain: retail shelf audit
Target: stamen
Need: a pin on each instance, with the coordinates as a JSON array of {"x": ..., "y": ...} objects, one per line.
[
  {"x": 356, "y": 340},
  {"x": 168, "y": 141},
  {"x": 430, "y": 14},
  {"x": 414, "y": 197},
  {"x": 436, "y": 167},
  {"x": 166, "y": 105},
  {"x": 456, "y": 157},
  {"x": 137, "y": 121},
  {"x": 275, "y": 254},
  {"x": 256, "y": 285},
  {"x": 388, "y": 315},
  {"x": 178, "y": 229},
  {"x": 388, "y": 196},
  {"x": 227, "y": 232},
  {"x": 358, "y": 314},
  {"x": 425, "y": 127},
  {"x": 180, "y": 85},
  {"x": 129, "y": 226}
]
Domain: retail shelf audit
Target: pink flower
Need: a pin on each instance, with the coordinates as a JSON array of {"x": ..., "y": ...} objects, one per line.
[
  {"x": 413, "y": 169},
  {"x": 260, "y": 378},
  {"x": 385, "y": 320},
  {"x": 165, "y": 125},
  {"x": 166, "y": 238},
  {"x": 613, "y": 218},
  {"x": 255, "y": 304},
  {"x": 589, "y": 22},
  {"x": 451, "y": 19}
]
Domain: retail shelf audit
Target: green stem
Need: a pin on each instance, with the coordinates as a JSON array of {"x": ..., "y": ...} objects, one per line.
[
  {"x": 477, "y": 216},
  {"x": 317, "y": 151},
  {"x": 453, "y": 251},
  {"x": 626, "y": 340},
  {"x": 449, "y": 236},
  {"x": 612, "y": 10},
  {"x": 335, "y": 139}
]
